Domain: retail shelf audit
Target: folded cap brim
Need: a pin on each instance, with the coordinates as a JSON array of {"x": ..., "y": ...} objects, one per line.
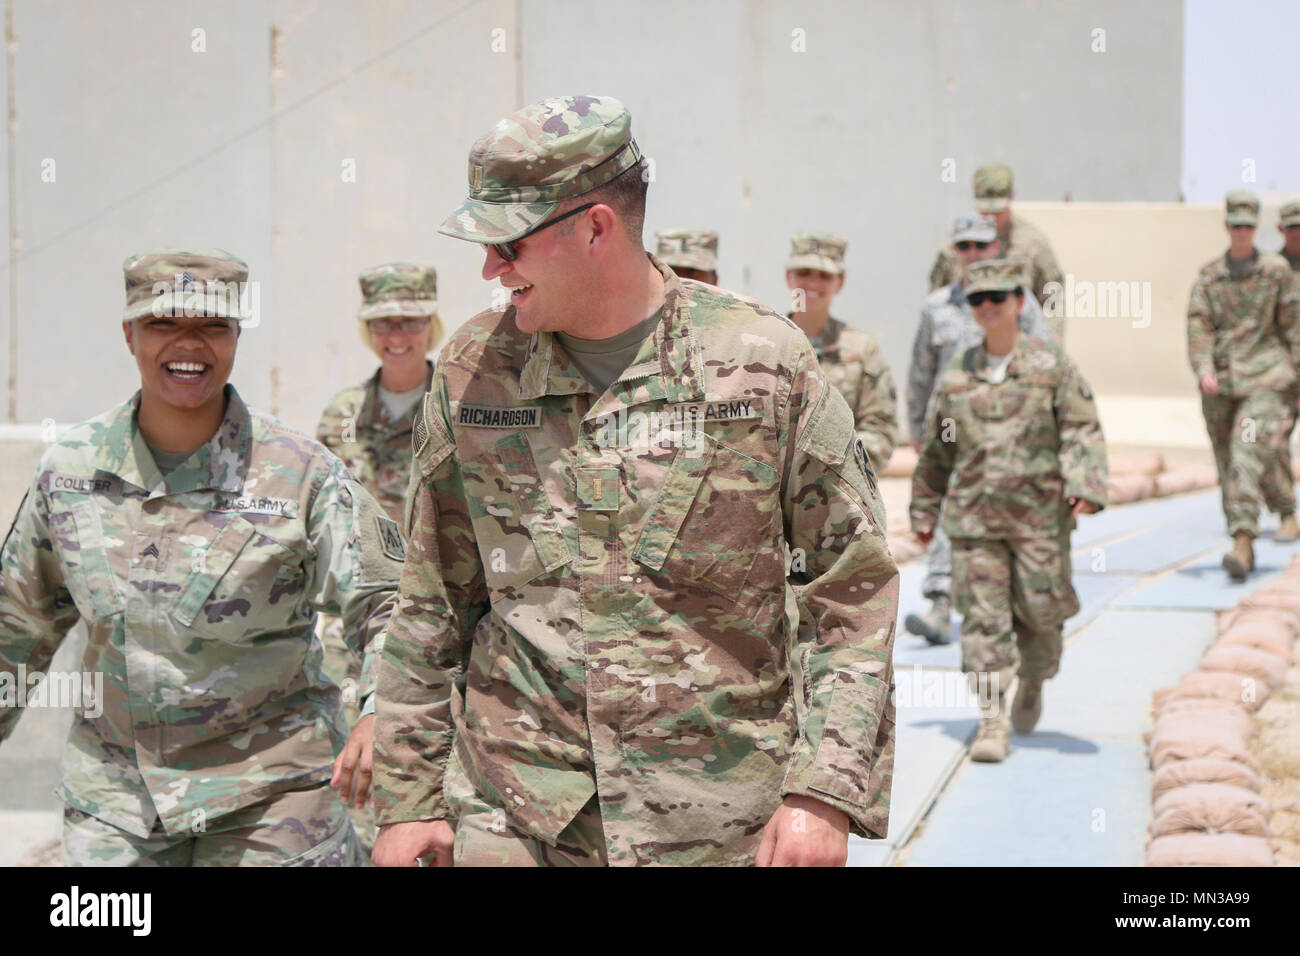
[
  {"x": 703, "y": 263},
  {"x": 1242, "y": 219},
  {"x": 1288, "y": 221},
  {"x": 811, "y": 261},
  {"x": 992, "y": 203},
  {"x": 974, "y": 235},
  {"x": 394, "y": 307},
  {"x": 486, "y": 222},
  {"x": 993, "y": 285}
]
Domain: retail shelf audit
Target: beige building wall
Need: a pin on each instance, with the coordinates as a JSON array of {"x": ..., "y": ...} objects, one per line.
[{"x": 1129, "y": 271}]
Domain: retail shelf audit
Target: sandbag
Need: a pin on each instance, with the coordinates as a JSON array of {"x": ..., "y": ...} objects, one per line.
[
  {"x": 1281, "y": 600},
  {"x": 901, "y": 463},
  {"x": 1250, "y": 661},
  {"x": 1187, "y": 735},
  {"x": 1227, "y": 713},
  {"x": 1122, "y": 489},
  {"x": 1148, "y": 463},
  {"x": 1180, "y": 773},
  {"x": 1174, "y": 483},
  {"x": 1209, "y": 849},
  {"x": 1218, "y": 685},
  {"x": 1265, "y": 634},
  {"x": 1213, "y": 807}
]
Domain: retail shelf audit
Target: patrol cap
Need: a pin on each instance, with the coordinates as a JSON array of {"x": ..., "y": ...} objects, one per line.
[
  {"x": 1289, "y": 214},
  {"x": 993, "y": 187},
  {"x": 817, "y": 250},
  {"x": 974, "y": 228},
  {"x": 398, "y": 288},
  {"x": 994, "y": 275},
  {"x": 202, "y": 282},
  {"x": 688, "y": 249},
  {"x": 529, "y": 161},
  {"x": 1243, "y": 208}
]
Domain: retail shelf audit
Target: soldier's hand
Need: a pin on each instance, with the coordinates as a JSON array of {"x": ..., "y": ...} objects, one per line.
[
  {"x": 354, "y": 763},
  {"x": 1209, "y": 384},
  {"x": 804, "y": 832},
  {"x": 1082, "y": 506},
  {"x": 925, "y": 537},
  {"x": 402, "y": 844}
]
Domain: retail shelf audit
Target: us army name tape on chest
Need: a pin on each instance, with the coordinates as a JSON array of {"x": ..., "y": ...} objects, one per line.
[{"x": 217, "y": 501}]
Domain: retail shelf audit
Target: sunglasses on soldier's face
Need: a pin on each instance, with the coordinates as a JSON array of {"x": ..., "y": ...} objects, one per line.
[
  {"x": 506, "y": 250},
  {"x": 977, "y": 298},
  {"x": 966, "y": 245}
]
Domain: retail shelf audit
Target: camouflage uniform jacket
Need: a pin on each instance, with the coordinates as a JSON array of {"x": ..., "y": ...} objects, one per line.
[
  {"x": 1246, "y": 331},
  {"x": 1022, "y": 240},
  {"x": 355, "y": 426},
  {"x": 1009, "y": 454},
  {"x": 198, "y": 593},
  {"x": 852, "y": 361},
  {"x": 594, "y": 606},
  {"x": 948, "y": 328}
]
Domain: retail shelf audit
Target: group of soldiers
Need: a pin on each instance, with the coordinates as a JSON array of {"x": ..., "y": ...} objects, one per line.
[{"x": 608, "y": 583}]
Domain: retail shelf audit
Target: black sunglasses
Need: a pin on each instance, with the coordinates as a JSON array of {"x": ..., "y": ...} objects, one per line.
[
  {"x": 977, "y": 298},
  {"x": 968, "y": 244},
  {"x": 506, "y": 250}
]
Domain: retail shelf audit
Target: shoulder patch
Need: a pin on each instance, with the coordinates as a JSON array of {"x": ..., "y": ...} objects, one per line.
[{"x": 390, "y": 538}]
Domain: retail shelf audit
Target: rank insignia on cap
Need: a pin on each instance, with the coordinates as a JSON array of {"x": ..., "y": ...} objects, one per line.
[
  {"x": 478, "y": 177},
  {"x": 184, "y": 278}
]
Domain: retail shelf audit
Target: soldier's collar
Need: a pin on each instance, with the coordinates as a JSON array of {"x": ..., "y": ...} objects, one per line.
[
  {"x": 668, "y": 365},
  {"x": 221, "y": 464},
  {"x": 373, "y": 414}
]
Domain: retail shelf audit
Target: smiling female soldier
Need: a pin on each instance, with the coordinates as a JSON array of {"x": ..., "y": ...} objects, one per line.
[{"x": 197, "y": 539}]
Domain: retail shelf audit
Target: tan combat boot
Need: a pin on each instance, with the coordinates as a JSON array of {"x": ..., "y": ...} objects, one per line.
[
  {"x": 1240, "y": 561},
  {"x": 1288, "y": 531},
  {"x": 936, "y": 624},
  {"x": 1028, "y": 705},
  {"x": 993, "y": 742}
]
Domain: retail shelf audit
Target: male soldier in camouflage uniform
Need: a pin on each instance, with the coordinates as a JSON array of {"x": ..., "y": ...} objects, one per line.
[
  {"x": 690, "y": 253},
  {"x": 947, "y": 329},
  {"x": 196, "y": 538},
  {"x": 369, "y": 427},
  {"x": 1018, "y": 238},
  {"x": 1288, "y": 224},
  {"x": 1243, "y": 341},
  {"x": 598, "y": 656},
  {"x": 850, "y": 359},
  {"x": 1015, "y": 446}
]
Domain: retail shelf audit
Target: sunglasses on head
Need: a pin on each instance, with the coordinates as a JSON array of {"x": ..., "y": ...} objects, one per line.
[
  {"x": 506, "y": 250},
  {"x": 977, "y": 298},
  {"x": 966, "y": 245}
]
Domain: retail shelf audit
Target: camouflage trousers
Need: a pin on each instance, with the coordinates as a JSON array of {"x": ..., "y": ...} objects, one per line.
[
  {"x": 484, "y": 837},
  {"x": 344, "y": 668},
  {"x": 1251, "y": 439},
  {"x": 294, "y": 828},
  {"x": 1012, "y": 586},
  {"x": 938, "y": 564}
]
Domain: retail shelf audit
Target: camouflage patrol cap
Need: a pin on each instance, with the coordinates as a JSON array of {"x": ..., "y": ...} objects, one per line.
[
  {"x": 974, "y": 228},
  {"x": 398, "y": 288},
  {"x": 1289, "y": 214},
  {"x": 1242, "y": 207},
  {"x": 817, "y": 250},
  {"x": 993, "y": 187},
  {"x": 537, "y": 156},
  {"x": 688, "y": 249},
  {"x": 994, "y": 275},
  {"x": 194, "y": 282}
]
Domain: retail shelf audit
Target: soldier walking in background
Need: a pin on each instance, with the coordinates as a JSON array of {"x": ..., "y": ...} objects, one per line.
[
  {"x": 197, "y": 539},
  {"x": 947, "y": 329},
  {"x": 850, "y": 359},
  {"x": 369, "y": 427},
  {"x": 1015, "y": 448},
  {"x": 1019, "y": 239},
  {"x": 1288, "y": 224},
  {"x": 1243, "y": 339},
  {"x": 690, "y": 253},
  {"x": 592, "y": 661}
]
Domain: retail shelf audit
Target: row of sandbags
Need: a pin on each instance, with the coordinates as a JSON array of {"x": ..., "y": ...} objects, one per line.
[
  {"x": 1207, "y": 809},
  {"x": 1132, "y": 478}
]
